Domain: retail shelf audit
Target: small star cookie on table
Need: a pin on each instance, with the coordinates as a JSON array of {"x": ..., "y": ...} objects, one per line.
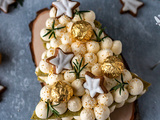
[
  {"x": 131, "y": 6},
  {"x": 5, "y": 3},
  {"x": 65, "y": 7},
  {"x": 157, "y": 18}
]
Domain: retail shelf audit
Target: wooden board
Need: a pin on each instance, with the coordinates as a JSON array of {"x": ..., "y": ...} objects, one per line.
[
  {"x": 127, "y": 112},
  {"x": 36, "y": 44}
]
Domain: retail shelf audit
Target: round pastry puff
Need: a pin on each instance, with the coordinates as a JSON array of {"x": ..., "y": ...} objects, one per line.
[
  {"x": 37, "y": 49},
  {"x": 66, "y": 114}
]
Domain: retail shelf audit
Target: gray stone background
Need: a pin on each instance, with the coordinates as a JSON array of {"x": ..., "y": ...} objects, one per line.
[{"x": 140, "y": 37}]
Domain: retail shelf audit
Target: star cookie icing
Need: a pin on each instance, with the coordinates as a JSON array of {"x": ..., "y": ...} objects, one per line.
[
  {"x": 94, "y": 84},
  {"x": 131, "y": 6},
  {"x": 65, "y": 7},
  {"x": 60, "y": 60},
  {"x": 5, "y": 3}
]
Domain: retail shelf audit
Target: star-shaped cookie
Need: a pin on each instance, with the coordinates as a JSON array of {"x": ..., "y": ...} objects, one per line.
[
  {"x": 131, "y": 6},
  {"x": 60, "y": 61},
  {"x": 5, "y": 3},
  {"x": 157, "y": 19},
  {"x": 2, "y": 88},
  {"x": 65, "y": 7},
  {"x": 94, "y": 84}
]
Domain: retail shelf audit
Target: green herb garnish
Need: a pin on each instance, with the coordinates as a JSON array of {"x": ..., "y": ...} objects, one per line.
[
  {"x": 78, "y": 68},
  {"x": 98, "y": 36},
  {"x": 52, "y": 31},
  {"x": 152, "y": 68},
  {"x": 50, "y": 107},
  {"x": 79, "y": 13},
  {"x": 120, "y": 85}
]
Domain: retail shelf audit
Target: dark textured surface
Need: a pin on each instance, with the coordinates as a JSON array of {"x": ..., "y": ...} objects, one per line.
[{"x": 140, "y": 37}]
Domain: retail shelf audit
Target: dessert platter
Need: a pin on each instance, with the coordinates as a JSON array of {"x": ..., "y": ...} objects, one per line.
[{"x": 81, "y": 69}]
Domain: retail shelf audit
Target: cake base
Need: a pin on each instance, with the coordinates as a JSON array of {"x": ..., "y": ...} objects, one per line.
[{"x": 127, "y": 112}]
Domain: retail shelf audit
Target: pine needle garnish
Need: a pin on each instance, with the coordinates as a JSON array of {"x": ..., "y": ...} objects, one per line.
[
  {"x": 52, "y": 31},
  {"x": 120, "y": 85},
  {"x": 79, "y": 13},
  {"x": 98, "y": 36},
  {"x": 78, "y": 68},
  {"x": 50, "y": 107},
  {"x": 152, "y": 68}
]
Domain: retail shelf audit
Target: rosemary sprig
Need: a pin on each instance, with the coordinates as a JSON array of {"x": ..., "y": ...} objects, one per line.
[
  {"x": 79, "y": 13},
  {"x": 52, "y": 31},
  {"x": 152, "y": 68},
  {"x": 98, "y": 36},
  {"x": 120, "y": 85},
  {"x": 50, "y": 107},
  {"x": 78, "y": 68}
]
